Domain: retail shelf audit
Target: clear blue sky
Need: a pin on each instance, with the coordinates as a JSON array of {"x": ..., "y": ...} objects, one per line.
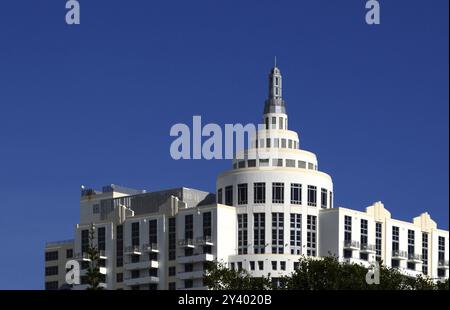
[{"x": 93, "y": 104}]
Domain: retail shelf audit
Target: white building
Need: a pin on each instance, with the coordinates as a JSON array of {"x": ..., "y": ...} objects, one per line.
[{"x": 271, "y": 208}]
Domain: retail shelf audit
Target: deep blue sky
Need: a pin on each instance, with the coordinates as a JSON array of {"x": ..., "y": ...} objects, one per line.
[{"x": 93, "y": 104}]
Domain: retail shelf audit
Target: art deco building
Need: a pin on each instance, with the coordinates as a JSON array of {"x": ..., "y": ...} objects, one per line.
[{"x": 273, "y": 206}]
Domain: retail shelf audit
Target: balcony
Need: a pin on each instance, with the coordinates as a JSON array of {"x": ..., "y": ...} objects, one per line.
[
  {"x": 147, "y": 279},
  {"x": 443, "y": 264},
  {"x": 151, "y": 247},
  {"x": 414, "y": 258},
  {"x": 141, "y": 265},
  {"x": 398, "y": 254},
  {"x": 133, "y": 250},
  {"x": 82, "y": 257},
  {"x": 368, "y": 248},
  {"x": 195, "y": 274},
  {"x": 206, "y": 240},
  {"x": 351, "y": 245},
  {"x": 102, "y": 270},
  {"x": 195, "y": 258},
  {"x": 186, "y": 243},
  {"x": 102, "y": 254}
]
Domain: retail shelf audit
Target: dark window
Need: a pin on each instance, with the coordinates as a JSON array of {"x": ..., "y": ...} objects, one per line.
[
  {"x": 311, "y": 235},
  {"x": 347, "y": 228},
  {"x": 259, "y": 192},
  {"x": 135, "y": 274},
  {"x": 119, "y": 246},
  {"x": 188, "y": 283},
  {"x": 172, "y": 286},
  {"x": 296, "y": 234},
  {"x": 69, "y": 253},
  {"x": 84, "y": 240},
  {"x": 277, "y": 192},
  {"x": 395, "y": 263},
  {"x": 242, "y": 194},
  {"x": 172, "y": 238},
  {"x": 283, "y": 265},
  {"x": 101, "y": 238},
  {"x": 153, "y": 232},
  {"x": 242, "y": 233},
  {"x": 378, "y": 238},
  {"x": 172, "y": 271},
  {"x": 207, "y": 225},
  {"x": 189, "y": 227},
  {"x": 278, "y": 233},
  {"x": 135, "y": 234},
  {"x": 229, "y": 195},
  {"x": 259, "y": 233},
  {"x": 51, "y": 285},
  {"x": 296, "y": 193},
  {"x": 425, "y": 253},
  {"x": 395, "y": 239},
  {"x": 50, "y": 256},
  {"x": 312, "y": 195},
  {"x": 119, "y": 277},
  {"x": 219, "y": 196},
  {"x": 274, "y": 265},
  {"x": 364, "y": 232},
  {"x": 252, "y": 265},
  {"x": 51, "y": 271},
  {"x": 323, "y": 198}
]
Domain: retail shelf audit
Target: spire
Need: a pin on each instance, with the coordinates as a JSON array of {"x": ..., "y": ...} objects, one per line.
[{"x": 275, "y": 102}]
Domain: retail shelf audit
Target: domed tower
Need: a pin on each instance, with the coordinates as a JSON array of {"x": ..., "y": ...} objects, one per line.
[{"x": 277, "y": 196}]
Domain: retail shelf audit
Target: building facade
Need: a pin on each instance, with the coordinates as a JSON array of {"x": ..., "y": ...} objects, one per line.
[{"x": 271, "y": 208}]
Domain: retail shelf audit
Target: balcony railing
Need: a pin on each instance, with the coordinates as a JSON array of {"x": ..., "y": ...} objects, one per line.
[
  {"x": 133, "y": 250},
  {"x": 82, "y": 256},
  {"x": 351, "y": 244},
  {"x": 186, "y": 243},
  {"x": 443, "y": 263},
  {"x": 399, "y": 254},
  {"x": 151, "y": 247},
  {"x": 368, "y": 248},
  {"x": 414, "y": 257}
]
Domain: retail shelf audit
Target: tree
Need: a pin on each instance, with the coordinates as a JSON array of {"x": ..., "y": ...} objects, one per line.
[
  {"x": 94, "y": 277},
  {"x": 325, "y": 273},
  {"x": 219, "y": 277}
]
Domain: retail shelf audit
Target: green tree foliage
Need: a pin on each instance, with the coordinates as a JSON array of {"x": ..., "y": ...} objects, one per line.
[
  {"x": 94, "y": 277},
  {"x": 319, "y": 274}
]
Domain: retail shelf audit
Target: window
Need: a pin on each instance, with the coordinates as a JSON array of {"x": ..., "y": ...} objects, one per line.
[
  {"x": 188, "y": 267},
  {"x": 276, "y": 142},
  {"x": 395, "y": 263},
  {"x": 283, "y": 265},
  {"x": 312, "y": 195},
  {"x": 152, "y": 232},
  {"x": 172, "y": 286},
  {"x": 69, "y": 253},
  {"x": 101, "y": 238},
  {"x": 172, "y": 238},
  {"x": 241, "y": 164},
  {"x": 268, "y": 142},
  {"x": 252, "y": 265},
  {"x": 274, "y": 265},
  {"x": 274, "y": 122},
  {"x": 259, "y": 193},
  {"x": 51, "y": 271},
  {"x": 51, "y": 285},
  {"x": 425, "y": 253},
  {"x": 347, "y": 228},
  {"x": 219, "y": 196},
  {"x": 267, "y": 122},
  {"x": 229, "y": 195},
  {"x": 331, "y": 199},
  {"x": 283, "y": 143},
  {"x": 296, "y": 193},
  {"x": 324, "y": 197},
  {"x": 84, "y": 240},
  {"x": 310, "y": 166},
  {"x": 251, "y": 163},
  {"x": 364, "y": 232},
  {"x": 242, "y": 194},
  {"x": 232, "y": 266},
  {"x": 347, "y": 253},
  {"x": 119, "y": 246},
  {"x": 277, "y": 192},
  {"x": 278, "y": 233},
  {"x": 290, "y": 143},
  {"x": 96, "y": 208},
  {"x": 311, "y": 235},
  {"x": 189, "y": 227},
  {"x": 239, "y": 266},
  {"x": 172, "y": 271},
  {"x": 411, "y": 250},
  {"x": 378, "y": 238},
  {"x": 264, "y": 163},
  {"x": 302, "y": 164},
  {"x": 395, "y": 239},
  {"x": 290, "y": 163},
  {"x": 296, "y": 234},
  {"x": 261, "y": 143},
  {"x": 207, "y": 225},
  {"x": 135, "y": 234},
  {"x": 261, "y": 265},
  {"x": 135, "y": 258},
  {"x": 119, "y": 277},
  {"x": 188, "y": 283},
  {"x": 242, "y": 234},
  {"x": 441, "y": 249},
  {"x": 277, "y": 162},
  {"x": 281, "y": 122},
  {"x": 259, "y": 233},
  {"x": 50, "y": 256}
]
